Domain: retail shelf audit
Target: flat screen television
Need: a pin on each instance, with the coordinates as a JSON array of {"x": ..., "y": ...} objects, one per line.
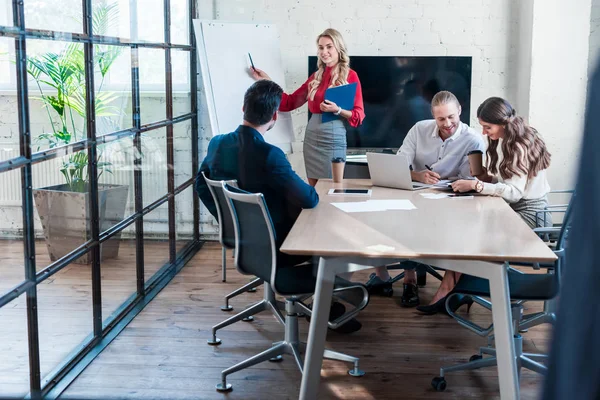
[{"x": 397, "y": 93}]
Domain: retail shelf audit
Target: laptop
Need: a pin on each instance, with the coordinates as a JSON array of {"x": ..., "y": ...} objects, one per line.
[{"x": 391, "y": 170}]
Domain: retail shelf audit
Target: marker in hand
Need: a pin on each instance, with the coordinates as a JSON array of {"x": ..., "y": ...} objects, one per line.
[{"x": 252, "y": 63}]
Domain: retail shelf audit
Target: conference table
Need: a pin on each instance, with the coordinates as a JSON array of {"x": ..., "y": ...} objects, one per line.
[{"x": 476, "y": 235}]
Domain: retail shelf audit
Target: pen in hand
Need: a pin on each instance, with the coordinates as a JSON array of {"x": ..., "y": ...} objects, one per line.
[{"x": 428, "y": 167}]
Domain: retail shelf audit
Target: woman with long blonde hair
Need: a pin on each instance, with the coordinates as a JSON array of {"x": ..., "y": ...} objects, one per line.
[
  {"x": 517, "y": 159},
  {"x": 325, "y": 142}
]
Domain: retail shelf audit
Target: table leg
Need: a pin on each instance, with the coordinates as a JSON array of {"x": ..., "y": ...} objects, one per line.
[
  {"x": 503, "y": 331},
  {"x": 318, "y": 330}
]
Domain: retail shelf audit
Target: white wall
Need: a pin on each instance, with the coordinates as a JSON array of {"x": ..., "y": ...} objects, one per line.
[
  {"x": 478, "y": 28},
  {"x": 528, "y": 51},
  {"x": 559, "y": 76}
]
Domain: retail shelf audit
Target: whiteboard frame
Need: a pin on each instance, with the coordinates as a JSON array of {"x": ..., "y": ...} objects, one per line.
[{"x": 207, "y": 80}]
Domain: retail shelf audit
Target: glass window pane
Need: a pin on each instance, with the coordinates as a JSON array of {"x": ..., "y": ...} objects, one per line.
[
  {"x": 151, "y": 20},
  {"x": 6, "y": 13},
  {"x": 116, "y": 182},
  {"x": 119, "y": 279},
  {"x": 182, "y": 144},
  {"x": 152, "y": 85},
  {"x": 9, "y": 123},
  {"x": 14, "y": 353},
  {"x": 184, "y": 217},
  {"x": 56, "y": 100},
  {"x": 154, "y": 165},
  {"x": 180, "y": 14},
  {"x": 61, "y": 202},
  {"x": 64, "y": 313},
  {"x": 180, "y": 64},
  {"x": 113, "y": 88},
  {"x": 111, "y": 18},
  {"x": 62, "y": 16},
  {"x": 12, "y": 270},
  {"x": 156, "y": 241}
]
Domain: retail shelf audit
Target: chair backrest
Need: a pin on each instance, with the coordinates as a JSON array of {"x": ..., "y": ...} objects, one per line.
[
  {"x": 226, "y": 230},
  {"x": 563, "y": 237},
  {"x": 255, "y": 248}
]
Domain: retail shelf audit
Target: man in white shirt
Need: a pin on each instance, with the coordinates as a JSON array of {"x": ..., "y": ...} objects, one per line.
[{"x": 436, "y": 149}]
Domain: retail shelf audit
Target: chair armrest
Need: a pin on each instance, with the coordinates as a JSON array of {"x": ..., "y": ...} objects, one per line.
[{"x": 547, "y": 230}]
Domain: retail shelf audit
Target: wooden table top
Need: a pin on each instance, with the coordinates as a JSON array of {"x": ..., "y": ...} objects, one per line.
[{"x": 480, "y": 228}]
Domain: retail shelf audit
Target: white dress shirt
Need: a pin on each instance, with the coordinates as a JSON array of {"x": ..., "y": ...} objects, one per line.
[
  {"x": 517, "y": 187},
  {"x": 423, "y": 147}
]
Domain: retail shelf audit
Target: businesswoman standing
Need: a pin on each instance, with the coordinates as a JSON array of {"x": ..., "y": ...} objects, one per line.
[
  {"x": 517, "y": 159},
  {"x": 325, "y": 142}
]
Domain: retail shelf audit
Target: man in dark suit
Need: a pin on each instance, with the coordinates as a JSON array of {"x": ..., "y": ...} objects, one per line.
[{"x": 258, "y": 166}]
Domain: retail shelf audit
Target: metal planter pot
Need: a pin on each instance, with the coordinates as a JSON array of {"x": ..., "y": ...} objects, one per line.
[{"x": 66, "y": 221}]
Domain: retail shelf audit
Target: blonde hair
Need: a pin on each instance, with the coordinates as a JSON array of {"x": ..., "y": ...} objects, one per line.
[
  {"x": 444, "y": 97},
  {"x": 339, "y": 75}
]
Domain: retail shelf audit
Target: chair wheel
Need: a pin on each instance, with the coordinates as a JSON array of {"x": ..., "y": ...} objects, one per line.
[
  {"x": 214, "y": 342},
  {"x": 226, "y": 308},
  {"x": 252, "y": 290},
  {"x": 475, "y": 357},
  {"x": 439, "y": 383},
  {"x": 226, "y": 388},
  {"x": 276, "y": 359},
  {"x": 388, "y": 292},
  {"x": 248, "y": 319}
]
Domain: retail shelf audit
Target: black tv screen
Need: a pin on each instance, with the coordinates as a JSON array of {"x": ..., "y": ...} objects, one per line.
[{"x": 397, "y": 93}]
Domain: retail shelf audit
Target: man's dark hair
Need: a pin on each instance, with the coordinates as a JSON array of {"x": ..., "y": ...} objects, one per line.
[{"x": 261, "y": 101}]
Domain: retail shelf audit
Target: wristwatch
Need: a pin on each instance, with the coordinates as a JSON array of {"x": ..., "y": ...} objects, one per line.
[
  {"x": 478, "y": 186},
  {"x": 338, "y": 112}
]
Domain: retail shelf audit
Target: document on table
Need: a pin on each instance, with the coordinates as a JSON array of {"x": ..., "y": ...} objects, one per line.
[{"x": 375, "y": 205}]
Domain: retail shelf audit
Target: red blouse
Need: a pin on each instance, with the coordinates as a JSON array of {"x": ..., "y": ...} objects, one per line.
[{"x": 292, "y": 101}]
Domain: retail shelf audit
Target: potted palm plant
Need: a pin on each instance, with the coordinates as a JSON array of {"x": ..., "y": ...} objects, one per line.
[{"x": 64, "y": 209}]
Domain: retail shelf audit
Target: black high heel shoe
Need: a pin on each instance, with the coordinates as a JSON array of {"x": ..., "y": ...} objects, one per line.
[{"x": 440, "y": 306}]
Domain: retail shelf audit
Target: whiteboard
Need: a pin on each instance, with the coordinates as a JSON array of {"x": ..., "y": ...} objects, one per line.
[{"x": 223, "y": 49}]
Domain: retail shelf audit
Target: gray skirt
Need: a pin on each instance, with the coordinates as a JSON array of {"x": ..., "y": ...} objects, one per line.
[
  {"x": 528, "y": 210},
  {"x": 323, "y": 142}
]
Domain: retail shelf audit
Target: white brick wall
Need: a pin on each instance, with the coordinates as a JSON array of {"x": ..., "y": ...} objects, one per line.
[
  {"x": 478, "y": 28},
  {"x": 594, "y": 34}
]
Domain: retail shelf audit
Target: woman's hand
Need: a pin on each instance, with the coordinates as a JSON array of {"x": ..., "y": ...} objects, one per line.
[
  {"x": 464, "y": 185},
  {"x": 258, "y": 74},
  {"x": 328, "y": 106}
]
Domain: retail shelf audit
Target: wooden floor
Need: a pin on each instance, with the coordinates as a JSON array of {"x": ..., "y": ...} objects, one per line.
[
  {"x": 163, "y": 353},
  {"x": 64, "y": 306}
]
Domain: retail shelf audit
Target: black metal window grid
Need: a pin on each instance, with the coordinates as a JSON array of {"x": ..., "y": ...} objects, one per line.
[{"x": 104, "y": 329}]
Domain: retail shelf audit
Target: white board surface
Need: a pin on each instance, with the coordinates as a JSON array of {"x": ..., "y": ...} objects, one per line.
[{"x": 223, "y": 49}]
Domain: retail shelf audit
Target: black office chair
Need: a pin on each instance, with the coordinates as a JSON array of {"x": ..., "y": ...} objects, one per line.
[
  {"x": 227, "y": 237},
  {"x": 523, "y": 287},
  {"x": 256, "y": 253}
]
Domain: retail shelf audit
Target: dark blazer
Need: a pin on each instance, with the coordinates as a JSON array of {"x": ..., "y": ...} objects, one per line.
[
  {"x": 574, "y": 367},
  {"x": 259, "y": 167}
]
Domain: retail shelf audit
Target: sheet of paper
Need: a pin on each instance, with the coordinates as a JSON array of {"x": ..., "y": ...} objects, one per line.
[
  {"x": 434, "y": 196},
  {"x": 443, "y": 183},
  {"x": 360, "y": 206},
  {"x": 375, "y": 205}
]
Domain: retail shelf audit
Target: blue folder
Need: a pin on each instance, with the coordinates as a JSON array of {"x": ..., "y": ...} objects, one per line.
[{"x": 343, "y": 96}]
